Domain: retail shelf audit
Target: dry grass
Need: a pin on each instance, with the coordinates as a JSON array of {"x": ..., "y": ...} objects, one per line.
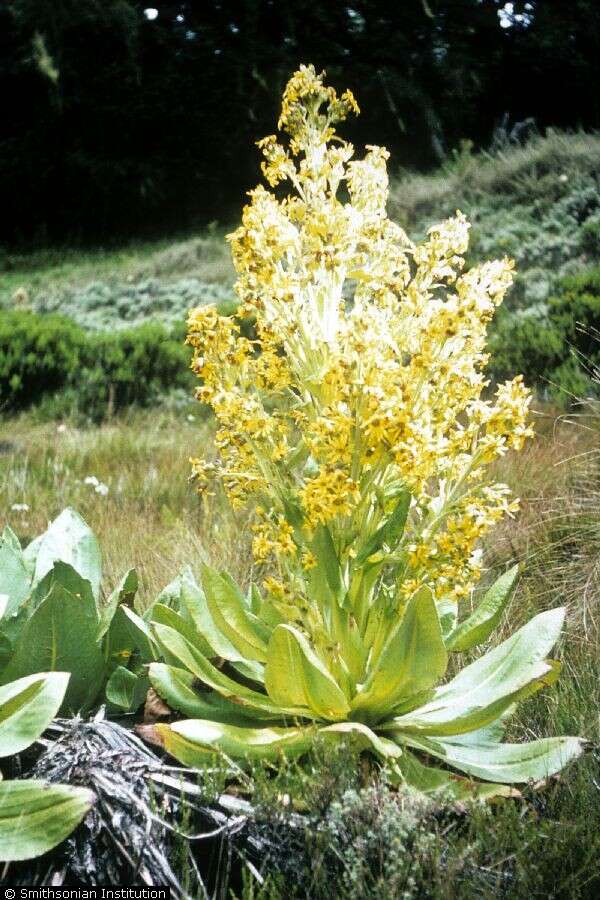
[{"x": 151, "y": 517}]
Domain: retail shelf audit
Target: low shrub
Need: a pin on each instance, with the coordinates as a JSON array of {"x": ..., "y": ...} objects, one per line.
[
  {"x": 555, "y": 345},
  {"x": 53, "y": 361},
  {"x": 36, "y": 355}
]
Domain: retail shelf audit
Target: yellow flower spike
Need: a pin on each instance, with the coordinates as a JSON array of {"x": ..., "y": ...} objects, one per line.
[
  {"x": 364, "y": 380},
  {"x": 355, "y": 424}
]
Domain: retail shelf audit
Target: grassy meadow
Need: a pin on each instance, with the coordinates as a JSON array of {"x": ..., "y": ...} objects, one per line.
[{"x": 148, "y": 515}]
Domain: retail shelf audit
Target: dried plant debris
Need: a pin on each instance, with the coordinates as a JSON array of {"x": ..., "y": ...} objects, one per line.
[{"x": 149, "y": 822}]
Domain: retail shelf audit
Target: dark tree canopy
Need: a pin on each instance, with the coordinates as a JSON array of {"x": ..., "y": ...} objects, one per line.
[{"x": 125, "y": 118}]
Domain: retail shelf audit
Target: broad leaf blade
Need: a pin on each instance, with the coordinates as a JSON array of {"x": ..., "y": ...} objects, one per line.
[
  {"x": 412, "y": 660},
  {"x": 15, "y": 580},
  {"x": 121, "y": 688},
  {"x": 193, "y": 741},
  {"x": 180, "y": 690},
  {"x": 189, "y": 657},
  {"x": 366, "y": 738},
  {"x": 61, "y": 636},
  {"x": 124, "y": 592},
  {"x": 36, "y": 816},
  {"x": 232, "y": 617},
  {"x": 442, "y": 785},
  {"x": 390, "y": 532},
  {"x": 27, "y": 706},
  {"x": 68, "y": 539},
  {"x": 478, "y": 627},
  {"x": 504, "y": 763},
  {"x": 295, "y": 676},
  {"x": 194, "y": 601},
  {"x": 482, "y": 691}
]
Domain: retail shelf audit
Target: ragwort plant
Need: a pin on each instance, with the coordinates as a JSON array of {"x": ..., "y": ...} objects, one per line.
[{"x": 355, "y": 423}]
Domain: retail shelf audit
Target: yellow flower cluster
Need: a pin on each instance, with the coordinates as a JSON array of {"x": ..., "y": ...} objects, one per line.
[{"x": 366, "y": 375}]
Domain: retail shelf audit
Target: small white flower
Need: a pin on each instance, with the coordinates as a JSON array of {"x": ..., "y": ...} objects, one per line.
[
  {"x": 564, "y": 177},
  {"x": 20, "y": 507},
  {"x": 61, "y": 428},
  {"x": 91, "y": 479},
  {"x": 101, "y": 489},
  {"x": 191, "y": 418}
]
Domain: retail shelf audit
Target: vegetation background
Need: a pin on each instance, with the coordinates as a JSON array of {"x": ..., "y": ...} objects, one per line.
[{"x": 126, "y": 145}]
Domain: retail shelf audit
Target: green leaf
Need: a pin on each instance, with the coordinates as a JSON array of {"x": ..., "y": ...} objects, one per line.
[
  {"x": 15, "y": 581},
  {"x": 390, "y": 532},
  {"x": 203, "y": 669},
  {"x": 36, "y": 816},
  {"x": 124, "y": 592},
  {"x": 10, "y": 538},
  {"x": 482, "y": 691},
  {"x": 30, "y": 554},
  {"x": 171, "y": 594},
  {"x": 441, "y": 785},
  {"x": 412, "y": 660},
  {"x": 194, "y": 601},
  {"x": 366, "y": 738},
  {"x": 296, "y": 676},
  {"x": 121, "y": 687},
  {"x": 61, "y": 636},
  {"x": 232, "y": 617},
  {"x": 163, "y": 615},
  {"x": 27, "y": 706},
  {"x": 180, "y": 690},
  {"x": 140, "y": 633},
  {"x": 504, "y": 763},
  {"x": 447, "y": 614},
  {"x": 69, "y": 540},
  {"x": 480, "y": 624},
  {"x": 327, "y": 560},
  {"x": 192, "y": 741}
]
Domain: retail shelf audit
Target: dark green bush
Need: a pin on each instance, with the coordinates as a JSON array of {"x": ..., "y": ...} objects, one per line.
[
  {"x": 37, "y": 354},
  {"x": 556, "y": 351},
  {"x": 52, "y": 361}
]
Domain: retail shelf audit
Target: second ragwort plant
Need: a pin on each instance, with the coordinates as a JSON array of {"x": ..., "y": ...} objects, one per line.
[{"x": 356, "y": 424}]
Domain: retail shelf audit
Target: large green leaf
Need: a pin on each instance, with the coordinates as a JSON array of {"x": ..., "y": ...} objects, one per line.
[
  {"x": 15, "y": 581},
  {"x": 121, "y": 687},
  {"x": 232, "y": 617},
  {"x": 482, "y": 691},
  {"x": 180, "y": 690},
  {"x": 441, "y": 785},
  {"x": 27, "y": 706},
  {"x": 36, "y": 816},
  {"x": 124, "y": 592},
  {"x": 194, "y": 601},
  {"x": 140, "y": 632},
  {"x": 190, "y": 658},
  {"x": 367, "y": 739},
  {"x": 296, "y": 676},
  {"x": 163, "y": 615},
  {"x": 191, "y": 741},
  {"x": 30, "y": 554},
  {"x": 327, "y": 558},
  {"x": 61, "y": 636},
  {"x": 480, "y": 624},
  {"x": 412, "y": 660},
  {"x": 68, "y": 539},
  {"x": 505, "y": 763}
]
